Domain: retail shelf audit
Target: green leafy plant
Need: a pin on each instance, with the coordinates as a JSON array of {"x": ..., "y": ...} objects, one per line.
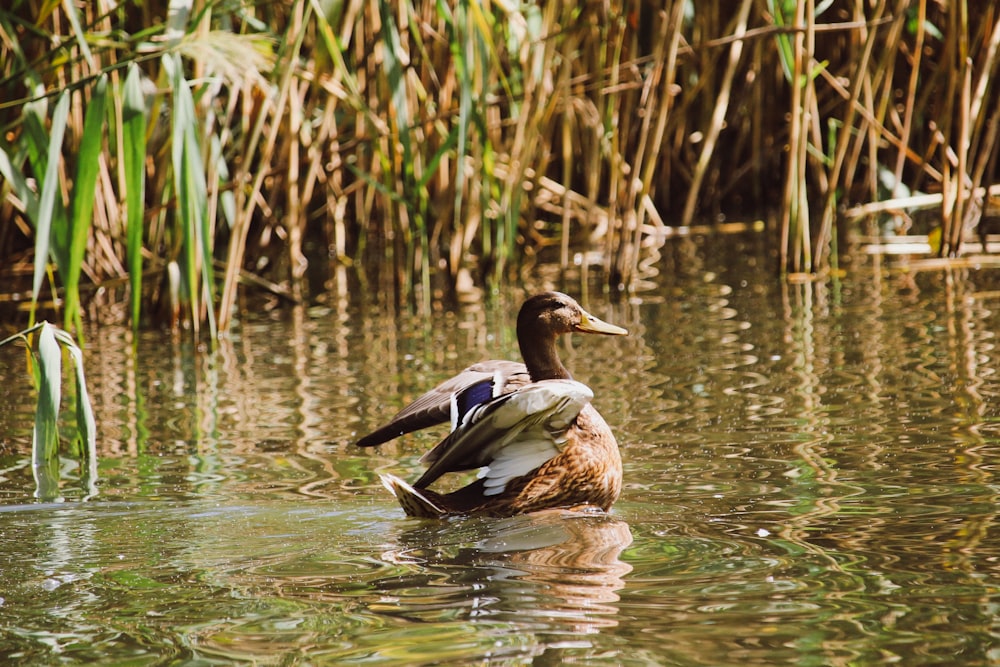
[{"x": 46, "y": 344}]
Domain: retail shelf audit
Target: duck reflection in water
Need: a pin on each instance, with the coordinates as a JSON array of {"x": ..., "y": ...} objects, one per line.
[{"x": 556, "y": 571}]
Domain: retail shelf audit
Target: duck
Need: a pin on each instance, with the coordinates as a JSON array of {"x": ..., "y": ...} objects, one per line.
[{"x": 528, "y": 426}]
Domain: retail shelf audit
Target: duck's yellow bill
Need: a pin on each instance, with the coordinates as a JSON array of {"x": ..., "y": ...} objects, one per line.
[{"x": 590, "y": 324}]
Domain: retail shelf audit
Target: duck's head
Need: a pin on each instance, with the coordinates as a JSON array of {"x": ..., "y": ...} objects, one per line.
[
  {"x": 542, "y": 319},
  {"x": 555, "y": 313}
]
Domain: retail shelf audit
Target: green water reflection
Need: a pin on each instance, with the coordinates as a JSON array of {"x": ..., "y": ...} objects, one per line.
[{"x": 810, "y": 480}]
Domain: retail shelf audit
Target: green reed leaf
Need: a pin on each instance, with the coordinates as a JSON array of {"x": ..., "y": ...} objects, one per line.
[
  {"x": 81, "y": 37},
  {"x": 227, "y": 200},
  {"x": 86, "y": 425},
  {"x": 187, "y": 207},
  {"x": 134, "y": 158},
  {"x": 45, "y": 436},
  {"x": 15, "y": 177},
  {"x": 47, "y": 198},
  {"x": 785, "y": 50},
  {"x": 192, "y": 196},
  {"x": 35, "y": 136},
  {"x": 393, "y": 58},
  {"x": 82, "y": 205}
]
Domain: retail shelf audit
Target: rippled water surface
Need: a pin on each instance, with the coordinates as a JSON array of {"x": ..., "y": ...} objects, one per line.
[{"x": 810, "y": 480}]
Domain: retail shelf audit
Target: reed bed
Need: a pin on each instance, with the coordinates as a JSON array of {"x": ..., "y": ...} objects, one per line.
[{"x": 156, "y": 157}]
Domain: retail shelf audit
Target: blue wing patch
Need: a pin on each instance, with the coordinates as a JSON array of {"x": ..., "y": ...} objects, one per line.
[{"x": 470, "y": 398}]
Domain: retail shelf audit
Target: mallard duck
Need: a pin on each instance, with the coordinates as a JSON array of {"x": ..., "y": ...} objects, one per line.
[{"x": 529, "y": 427}]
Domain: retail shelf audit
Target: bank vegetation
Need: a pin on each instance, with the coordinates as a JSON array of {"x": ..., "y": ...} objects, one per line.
[{"x": 161, "y": 159}]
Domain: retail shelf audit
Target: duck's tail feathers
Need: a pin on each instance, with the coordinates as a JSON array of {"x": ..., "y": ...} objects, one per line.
[{"x": 412, "y": 500}]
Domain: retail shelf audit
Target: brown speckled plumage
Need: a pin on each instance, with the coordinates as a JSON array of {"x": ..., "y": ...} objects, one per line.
[{"x": 582, "y": 466}]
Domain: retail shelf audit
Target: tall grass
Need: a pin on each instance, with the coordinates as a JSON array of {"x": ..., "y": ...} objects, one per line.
[{"x": 157, "y": 157}]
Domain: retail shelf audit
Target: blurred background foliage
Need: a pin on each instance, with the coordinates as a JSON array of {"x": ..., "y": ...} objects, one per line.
[{"x": 155, "y": 156}]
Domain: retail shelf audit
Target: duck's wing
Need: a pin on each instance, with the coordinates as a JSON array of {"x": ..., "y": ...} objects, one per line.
[
  {"x": 451, "y": 399},
  {"x": 510, "y": 435}
]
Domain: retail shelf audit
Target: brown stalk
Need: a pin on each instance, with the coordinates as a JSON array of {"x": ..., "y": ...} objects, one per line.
[
  {"x": 664, "y": 83},
  {"x": 245, "y": 209},
  {"x": 718, "y": 114},
  {"x": 956, "y": 222},
  {"x": 911, "y": 94},
  {"x": 844, "y": 135}
]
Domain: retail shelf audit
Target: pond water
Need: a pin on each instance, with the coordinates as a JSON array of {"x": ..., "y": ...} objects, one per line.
[{"x": 810, "y": 479}]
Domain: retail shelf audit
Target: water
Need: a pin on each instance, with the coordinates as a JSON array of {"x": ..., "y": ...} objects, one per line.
[{"x": 810, "y": 480}]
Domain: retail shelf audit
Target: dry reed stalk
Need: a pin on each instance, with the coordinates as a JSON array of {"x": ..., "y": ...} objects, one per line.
[
  {"x": 954, "y": 222},
  {"x": 946, "y": 125},
  {"x": 246, "y": 205},
  {"x": 668, "y": 88},
  {"x": 657, "y": 90},
  {"x": 923, "y": 162},
  {"x": 795, "y": 246},
  {"x": 878, "y": 99},
  {"x": 983, "y": 140},
  {"x": 909, "y": 101},
  {"x": 663, "y": 90},
  {"x": 294, "y": 217},
  {"x": 718, "y": 112},
  {"x": 567, "y": 173},
  {"x": 539, "y": 95},
  {"x": 846, "y": 128}
]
